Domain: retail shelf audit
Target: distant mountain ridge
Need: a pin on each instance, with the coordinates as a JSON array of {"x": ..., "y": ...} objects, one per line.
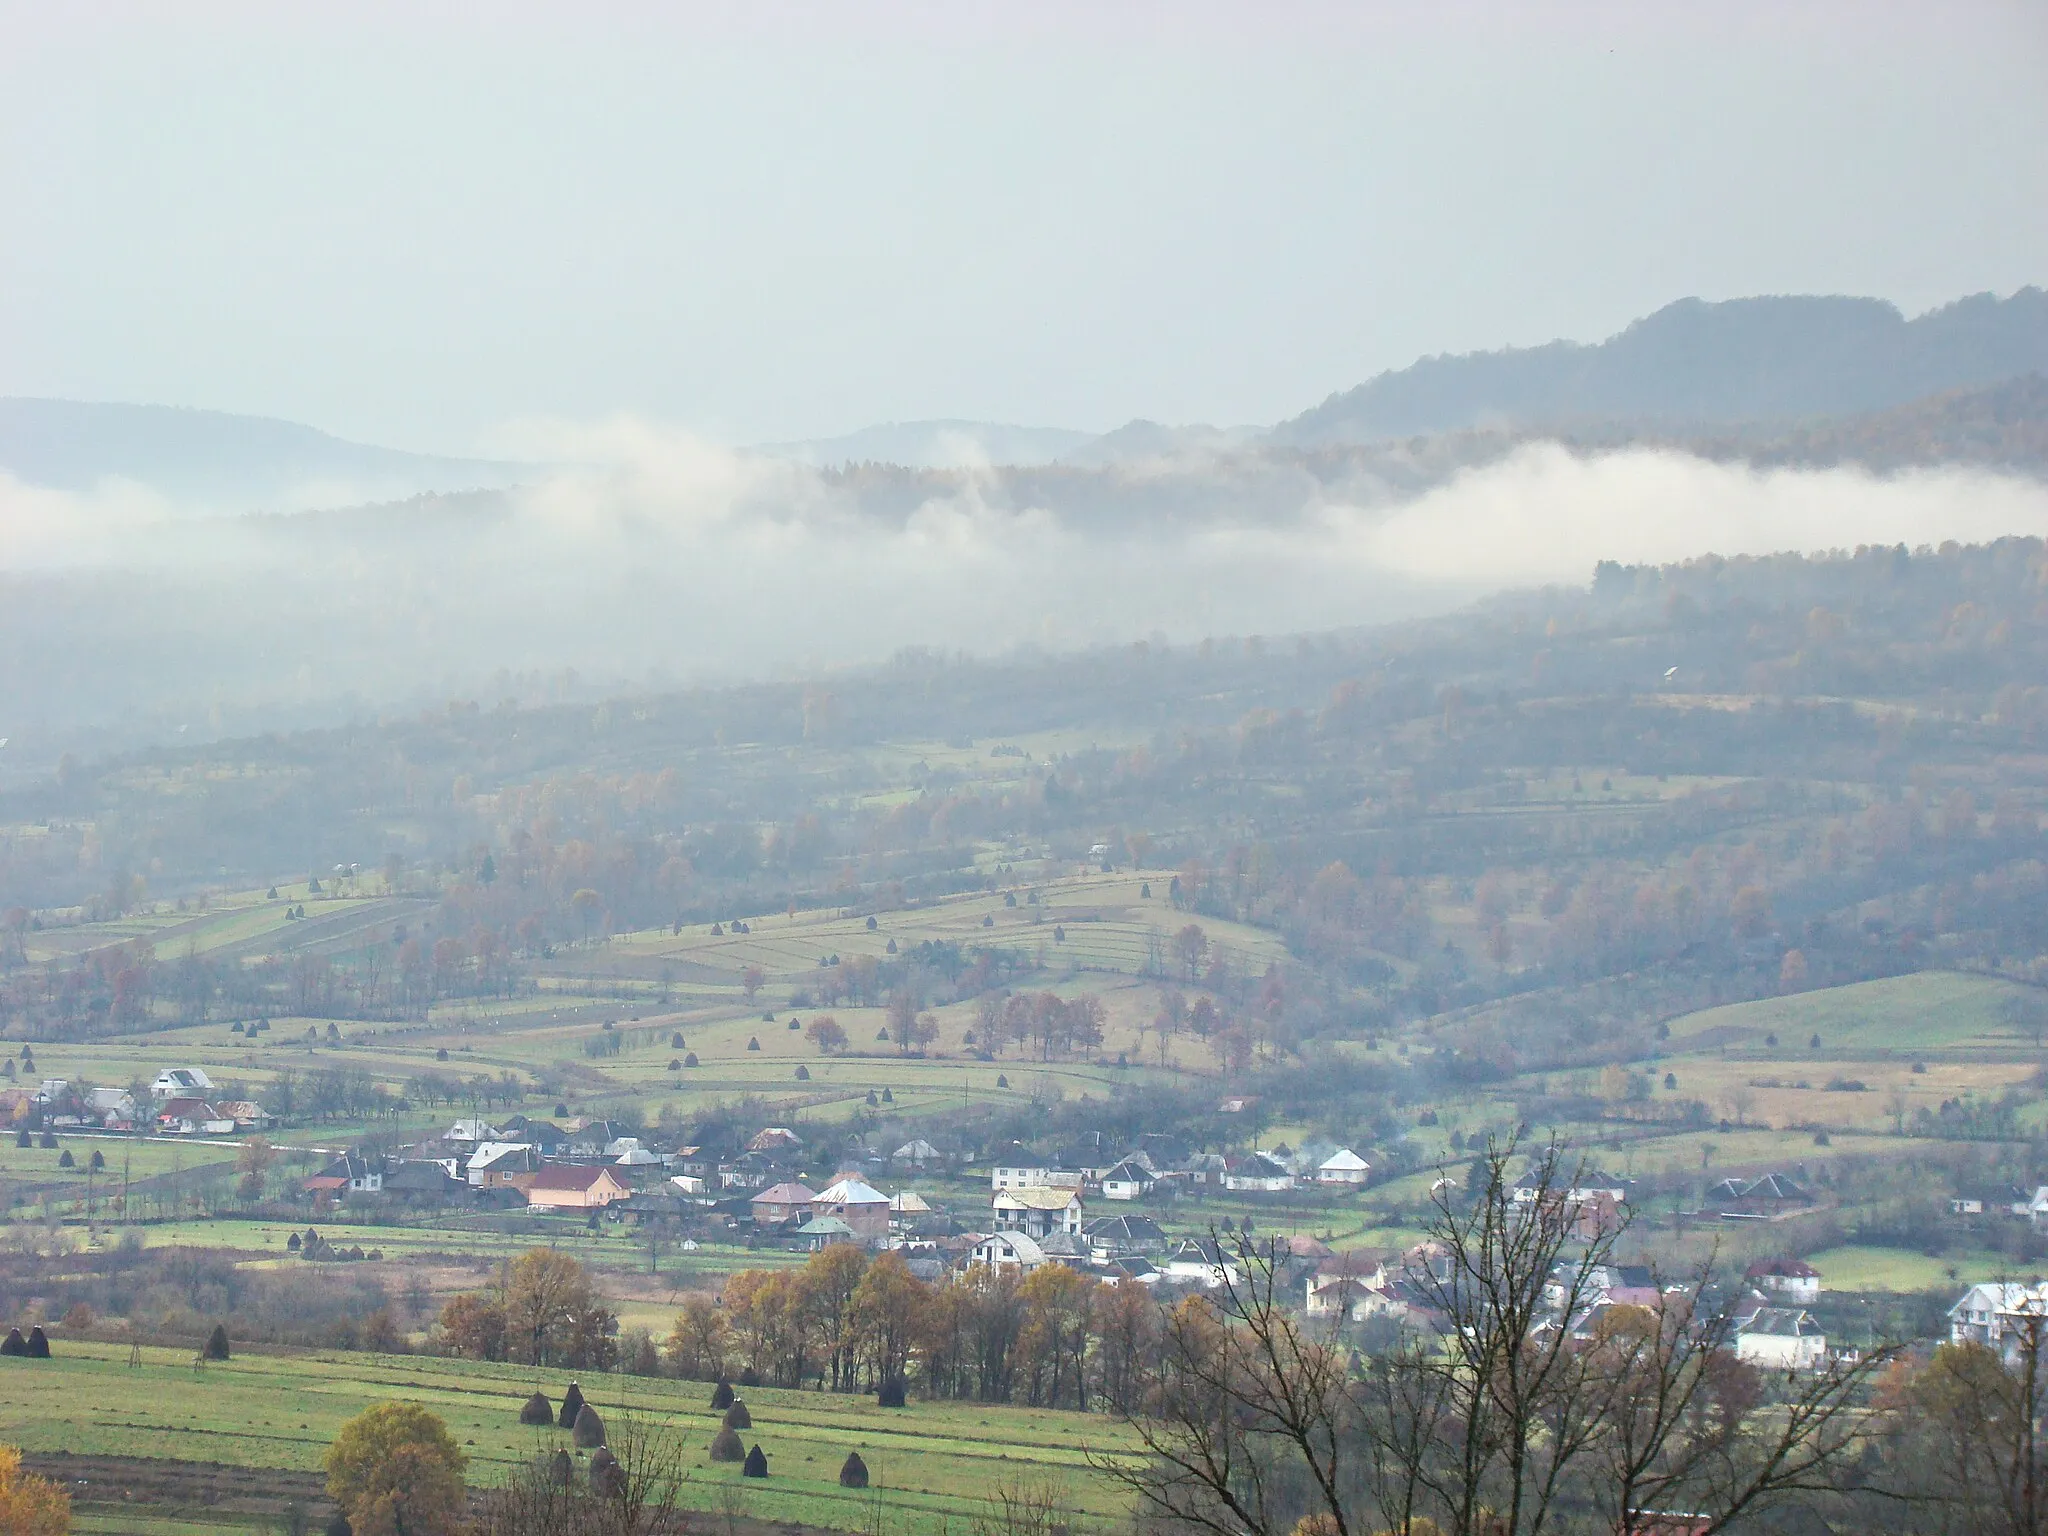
[
  {"x": 224, "y": 461},
  {"x": 1696, "y": 364},
  {"x": 1799, "y": 379}
]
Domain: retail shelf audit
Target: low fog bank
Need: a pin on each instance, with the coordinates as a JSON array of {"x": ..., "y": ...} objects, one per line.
[{"x": 682, "y": 564}]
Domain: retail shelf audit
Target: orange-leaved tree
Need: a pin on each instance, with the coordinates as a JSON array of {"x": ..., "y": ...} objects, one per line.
[{"x": 30, "y": 1505}]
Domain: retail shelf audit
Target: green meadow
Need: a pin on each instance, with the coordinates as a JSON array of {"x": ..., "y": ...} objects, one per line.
[{"x": 932, "y": 1464}]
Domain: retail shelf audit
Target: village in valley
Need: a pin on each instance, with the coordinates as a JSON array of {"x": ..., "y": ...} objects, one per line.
[{"x": 1471, "y": 960}]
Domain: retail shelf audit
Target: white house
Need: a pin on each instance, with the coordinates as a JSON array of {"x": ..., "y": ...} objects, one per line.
[
  {"x": 1793, "y": 1281},
  {"x": 1257, "y": 1173},
  {"x": 1997, "y": 1314},
  {"x": 1781, "y": 1338},
  {"x": 112, "y": 1105},
  {"x": 1128, "y": 1180},
  {"x": 1343, "y": 1167},
  {"x": 1018, "y": 1176},
  {"x": 1037, "y": 1212},
  {"x": 180, "y": 1082},
  {"x": 1206, "y": 1266},
  {"x": 1007, "y": 1250}
]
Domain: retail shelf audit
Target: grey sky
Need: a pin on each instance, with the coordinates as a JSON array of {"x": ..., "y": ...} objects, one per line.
[{"x": 414, "y": 224}]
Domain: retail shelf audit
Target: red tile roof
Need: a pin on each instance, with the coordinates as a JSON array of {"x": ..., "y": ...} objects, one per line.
[{"x": 560, "y": 1177}]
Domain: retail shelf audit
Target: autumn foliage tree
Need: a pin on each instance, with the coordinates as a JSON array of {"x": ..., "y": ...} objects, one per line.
[
  {"x": 395, "y": 1471},
  {"x": 544, "y": 1310},
  {"x": 30, "y": 1505}
]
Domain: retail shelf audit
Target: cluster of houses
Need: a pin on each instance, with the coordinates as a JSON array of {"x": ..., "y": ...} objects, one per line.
[
  {"x": 1156, "y": 1161},
  {"x": 1769, "y": 1324},
  {"x": 182, "y": 1101}
]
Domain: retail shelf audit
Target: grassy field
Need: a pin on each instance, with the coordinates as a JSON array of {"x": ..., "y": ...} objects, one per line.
[
  {"x": 933, "y": 1462},
  {"x": 1851, "y": 1268},
  {"x": 1928, "y": 1011}
]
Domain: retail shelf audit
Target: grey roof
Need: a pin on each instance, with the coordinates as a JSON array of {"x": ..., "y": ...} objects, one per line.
[
  {"x": 1782, "y": 1322},
  {"x": 1125, "y": 1229}
]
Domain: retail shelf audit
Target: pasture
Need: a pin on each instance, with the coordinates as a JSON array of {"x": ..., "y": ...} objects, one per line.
[
  {"x": 1927, "y": 1011},
  {"x": 932, "y": 1464}
]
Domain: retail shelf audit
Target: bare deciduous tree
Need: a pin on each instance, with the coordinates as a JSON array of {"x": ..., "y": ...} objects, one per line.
[{"x": 1522, "y": 1406}]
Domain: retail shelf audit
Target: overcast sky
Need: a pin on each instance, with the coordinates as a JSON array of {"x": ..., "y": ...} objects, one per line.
[{"x": 415, "y": 224}]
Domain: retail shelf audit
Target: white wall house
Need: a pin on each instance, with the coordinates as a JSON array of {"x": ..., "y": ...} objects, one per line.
[
  {"x": 1343, "y": 1167},
  {"x": 1007, "y": 1250},
  {"x": 1018, "y": 1176},
  {"x": 1781, "y": 1338},
  {"x": 180, "y": 1082},
  {"x": 1037, "y": 1212},
  {"x": 1792, "y": 1281},
  {"x": 1200, "y": 1264},
  {"x": 1128, "y": 1180},
  {"x": 1998, "y": 1314}
]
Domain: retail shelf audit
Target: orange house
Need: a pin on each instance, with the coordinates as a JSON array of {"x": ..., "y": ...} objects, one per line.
[{"x": 572, "y": 1189}]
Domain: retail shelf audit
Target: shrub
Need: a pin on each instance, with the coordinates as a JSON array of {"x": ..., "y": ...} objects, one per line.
[
  {"x": 725, "y": 1446},
  {"x": 750, "y": 1377},
  {"x": 891, "y": 1393},
  {"x": 757, "y": 1464},
  {"x": 537, "y": 1410},
  {"x": 338, "y": 1526},
  {"x": 854, "y": 1474},
  {"x": 38, "y": 1346},
  {"x": 589, "y": 1431},
  {"x": 78, "y": 1319},
  {"x": 572, "y": 1404},
  {"x": 217, "y": 1343},
  {"x": 737, "y": 1417},
  {"x": 14, "y": 1343},
  {"x": 721, "y": 1395}
]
